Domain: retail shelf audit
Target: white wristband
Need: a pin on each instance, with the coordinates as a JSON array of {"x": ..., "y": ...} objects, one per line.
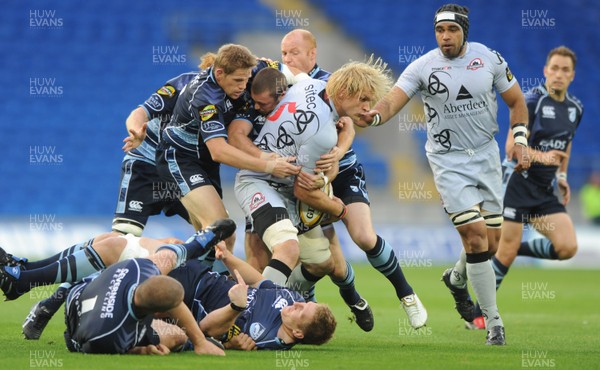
[
  {"x": 561, "y": 176},
  {"x": 520, "y": 134},
  {"x": 376, "y": 120}
]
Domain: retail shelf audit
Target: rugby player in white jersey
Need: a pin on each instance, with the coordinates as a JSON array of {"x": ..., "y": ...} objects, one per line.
[{"x": 457, "y": 82}]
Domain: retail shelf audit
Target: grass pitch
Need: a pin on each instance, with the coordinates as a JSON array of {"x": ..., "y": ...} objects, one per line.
[{"x": 552, "y": 320}]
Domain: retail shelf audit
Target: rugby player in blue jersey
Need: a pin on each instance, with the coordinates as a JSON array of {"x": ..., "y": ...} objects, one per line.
[
  {"x": 193, "y": 144},
  {"x": 131, "y": 289},
  {"x": 142, "y": 193},
  {"x": 273, "y": 317},
  {"x": 529, "y": 199}
]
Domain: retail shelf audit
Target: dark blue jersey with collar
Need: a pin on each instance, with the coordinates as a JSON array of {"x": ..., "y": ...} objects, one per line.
[
  {"x": 201, "y": 113},
  {"x": 104, "y": 320},
  {"x": 206, "y": 291},
  {"x": 159, "y": 108},
  {"x": 552, "y": 126},
  {"x": 319, "y": 74},
  {"x": 248, "y": 113}
]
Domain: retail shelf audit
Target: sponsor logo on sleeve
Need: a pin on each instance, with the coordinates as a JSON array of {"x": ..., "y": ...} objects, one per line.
[
  {"x": 212, "y": 126},
  {"x": 273, "y": 64},
  {"x": 167, "y": 90},
  {"x": 207, "y": 112},
  {"x": 155, "y": 103},
  {"x": 509, "y": 75}
]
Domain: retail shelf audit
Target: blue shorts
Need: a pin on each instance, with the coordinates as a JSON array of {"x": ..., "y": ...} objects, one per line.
[
  {"x": 524, "y": 200},
  {"x": 350, "y": 185},
  {"x": 187, "y": 170},
  {"x": 142, "y": 193}
]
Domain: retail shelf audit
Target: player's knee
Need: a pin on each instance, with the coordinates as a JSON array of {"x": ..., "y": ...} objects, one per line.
[
  {"x": 230, "y": 242},
  {"x": 363, "y": 236},
  {"x": 566, "y": 250},
  {"x": 132, "y": 247},
  {"x": 314, "y": 249},
  {"x": 326, "y": 267}
]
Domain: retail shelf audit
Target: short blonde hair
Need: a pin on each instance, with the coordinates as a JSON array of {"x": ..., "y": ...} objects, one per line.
[
  {"x": 355, "y": 79},
  {"x": 229, "y": 58}
]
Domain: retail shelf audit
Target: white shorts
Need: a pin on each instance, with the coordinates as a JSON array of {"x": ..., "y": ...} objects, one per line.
[
  {"x": 468, "y": 179},
  {"x": 253, "y": 194}
]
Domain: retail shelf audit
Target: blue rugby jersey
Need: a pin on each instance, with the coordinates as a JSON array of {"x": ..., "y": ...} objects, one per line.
[
  {"x": 159, "y": 108},
  {"x": 552, "y": 126},
  {"x": 105, "y": 321}
]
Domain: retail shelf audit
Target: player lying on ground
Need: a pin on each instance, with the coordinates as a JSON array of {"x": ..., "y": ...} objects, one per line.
[
  {"x": 210, "y": 293},
  {"x": 133, "y": 292},
  {"x": 273, "y": 318}
]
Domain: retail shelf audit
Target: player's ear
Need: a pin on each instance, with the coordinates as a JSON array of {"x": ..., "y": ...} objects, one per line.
[
  {"x": 219, "y": 73},
  {"x": 298, "y": 334}
]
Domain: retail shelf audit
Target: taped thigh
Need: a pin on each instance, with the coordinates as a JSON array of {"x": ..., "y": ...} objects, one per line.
[
  {"x": 492, "y": 220},
  {"x": 280, "y": 232},
  {"x": 466, "y": 217},
  {"x": 314, "y": 246},
  {"x": 133, "y": 249}
]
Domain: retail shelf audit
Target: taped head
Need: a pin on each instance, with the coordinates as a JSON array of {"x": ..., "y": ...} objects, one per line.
[{"x": 456, "y": 14}]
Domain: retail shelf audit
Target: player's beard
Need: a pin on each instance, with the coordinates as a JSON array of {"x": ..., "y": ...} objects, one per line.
[{"x": 452, "y": 55}]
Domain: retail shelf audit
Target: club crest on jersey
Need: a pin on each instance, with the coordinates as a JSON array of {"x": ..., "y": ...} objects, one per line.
[
  {"x": 207, "y": 112},
  {"x": 256, "y": 330},
  {"x": 475, "y": 64},
  {"x": 257, "y": 200},
  {"x": 572, "y": 113}
]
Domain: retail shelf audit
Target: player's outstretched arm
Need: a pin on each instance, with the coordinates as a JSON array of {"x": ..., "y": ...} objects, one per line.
[
  {"x": 237, "y": 134},
  {"x": 385, "y": 109},
  {"x": 250, "y": 275},
  {"x": 218, "y": 322},
  {"x": 185, "y": 320},
  {"x": 136, "y": 126},
  {"x": 227, "y": 154}
]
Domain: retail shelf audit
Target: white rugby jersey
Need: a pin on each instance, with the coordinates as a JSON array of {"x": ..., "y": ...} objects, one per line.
[
  {"x": 302, "y": 125},
  {"x": 458, "y": 95}
]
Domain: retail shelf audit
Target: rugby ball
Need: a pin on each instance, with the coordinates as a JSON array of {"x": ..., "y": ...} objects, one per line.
[{"x": 309, "y": 216}]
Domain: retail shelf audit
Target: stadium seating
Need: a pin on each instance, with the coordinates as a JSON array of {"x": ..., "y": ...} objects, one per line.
[{"x": 99, "y": 61}]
